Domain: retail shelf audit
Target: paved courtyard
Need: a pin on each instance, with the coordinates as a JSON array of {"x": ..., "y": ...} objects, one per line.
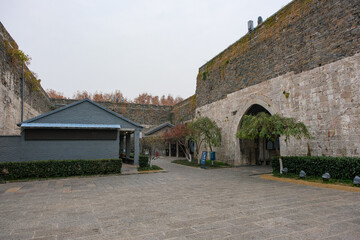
[{"x": 182, "y": 203}]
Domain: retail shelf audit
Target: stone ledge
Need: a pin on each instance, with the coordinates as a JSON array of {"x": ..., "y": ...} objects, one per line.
[
  {"x": 152, "y": 171},
  {"x": 313, "y": 184}
]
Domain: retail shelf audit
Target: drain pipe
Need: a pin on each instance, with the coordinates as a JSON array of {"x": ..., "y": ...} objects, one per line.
[{"x": 22, "y": 94}]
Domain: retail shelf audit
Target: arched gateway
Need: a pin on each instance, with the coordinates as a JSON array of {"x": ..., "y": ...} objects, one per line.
[
  {"x": 258, "y": 151},
  {"x": 248, "y": 152}
]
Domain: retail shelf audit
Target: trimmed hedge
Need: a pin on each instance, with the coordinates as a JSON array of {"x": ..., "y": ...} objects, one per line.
[
  {"x": 58, "y": 168},
  {"x": 152, "y": 168},
  {"x": 143, "y": 161},
  {"x": 338, "y": 167}
]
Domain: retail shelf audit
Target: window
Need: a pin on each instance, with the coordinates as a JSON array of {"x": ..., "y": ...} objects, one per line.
[{"x": 70, "y": 134}]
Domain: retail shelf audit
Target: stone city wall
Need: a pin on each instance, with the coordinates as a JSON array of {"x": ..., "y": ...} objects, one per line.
[
  {"x": 184, "y": 111},
  {"x": 326, "y": 99},
  {"x": 144, "y": 114},
  {"x": 302, "y": 36},
  {"x": 35, "y": 101}
]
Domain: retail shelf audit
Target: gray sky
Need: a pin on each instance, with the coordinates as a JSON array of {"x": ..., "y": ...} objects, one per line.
[{"x": 135, "y": 46}]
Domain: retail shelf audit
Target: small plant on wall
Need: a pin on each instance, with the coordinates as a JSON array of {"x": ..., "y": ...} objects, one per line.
[
  {"x": 19, "y": 59},
  {"x": 204, "y": 75},
  {"x": 286, "y": 94}
]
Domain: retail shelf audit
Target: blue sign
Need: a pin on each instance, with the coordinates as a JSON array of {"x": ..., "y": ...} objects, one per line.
[
  {"x": 203, "y": 159},
  {"x": 212, "y": 156}
]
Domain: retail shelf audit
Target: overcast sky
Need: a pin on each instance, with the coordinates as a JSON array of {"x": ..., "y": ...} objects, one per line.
[{"x": 136, "y": 46}]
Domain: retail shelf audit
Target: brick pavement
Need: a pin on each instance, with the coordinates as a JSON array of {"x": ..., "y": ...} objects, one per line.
[{"x": 183, "y": 203}]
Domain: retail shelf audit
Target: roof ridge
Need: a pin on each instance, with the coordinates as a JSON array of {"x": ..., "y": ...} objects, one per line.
[
  {"x": 77, "y": 103},
  {"x": 159, "y": 127}
]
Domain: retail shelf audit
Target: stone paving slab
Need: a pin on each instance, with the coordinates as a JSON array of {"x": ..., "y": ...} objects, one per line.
[
  {"x": 181, "y": 203},
  {"x": 129, "y": 169}
]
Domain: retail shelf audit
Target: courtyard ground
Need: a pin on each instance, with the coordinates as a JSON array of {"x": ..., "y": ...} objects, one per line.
[{"x": 182, "y": 203}]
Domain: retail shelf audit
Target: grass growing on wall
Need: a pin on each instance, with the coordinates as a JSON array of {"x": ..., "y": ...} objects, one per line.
[
  {"x": 58, "y": 168},
  {"x": 272, "y": 26}
]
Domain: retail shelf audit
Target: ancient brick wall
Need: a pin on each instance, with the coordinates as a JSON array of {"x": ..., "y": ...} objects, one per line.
[
  {"x": 326, "y": 99},
  {"x": 35, "y": 101},
  {"x": 144, "y": 114},
  {"x": 184, "y": 111},
  {"x": 302, "y": 36}
]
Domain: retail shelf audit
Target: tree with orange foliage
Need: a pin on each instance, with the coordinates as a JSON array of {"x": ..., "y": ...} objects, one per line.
[
  {"x": 54, "y": 94},
  {"x": 118, "y": 96},
  {"x": 99, "y": 97},
  {"x": 155, "y": 100},
  {"x": 115, "y": 96},
  {"x": 81, "y": 95},
  {"x": 181, "y": 135},
  {"x": 143, "y": 98},
  {"x": 146, "y": 98}
]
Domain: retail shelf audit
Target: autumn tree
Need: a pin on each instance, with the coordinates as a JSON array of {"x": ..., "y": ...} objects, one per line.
[
  {"x": 81, "y": 95},
  {"x": 99, "y": 97},
  {"x": 143, "y": 98},
  {"x": 271, "y": 127},
  {"x": 118, "y": 96},
  {"x": 115, "y": 96},
  {"x": 155, "y": 100},
  {"x": 170, "y": 100},
  {"x": 146, "y": 98},
  {"x": 152, "y": 144},
  {"x": 180, "y": 134},
  {"x": 54, "y": 94}
]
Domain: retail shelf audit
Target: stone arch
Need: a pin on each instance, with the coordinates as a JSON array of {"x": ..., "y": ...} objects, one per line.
[{"x": 253, "y": 99}]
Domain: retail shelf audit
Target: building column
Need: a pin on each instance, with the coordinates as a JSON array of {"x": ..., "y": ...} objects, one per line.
[
  {"x": 121, "y": 143},
  {"x": 177, "y": 150},
  {"x": 169, "y": 149},
  {"x": 136, "y": 147},
  {"x": 128, "y": 145}
]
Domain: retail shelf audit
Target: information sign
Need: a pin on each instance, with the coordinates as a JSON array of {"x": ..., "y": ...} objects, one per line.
[{"x": 203, "y": 159}]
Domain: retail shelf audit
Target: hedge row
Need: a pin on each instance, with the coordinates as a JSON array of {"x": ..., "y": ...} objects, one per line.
[
  {"x": 58, "y": 168},
  {"x": 338, "y": 167},
  {"x": 143, "y": 161}
]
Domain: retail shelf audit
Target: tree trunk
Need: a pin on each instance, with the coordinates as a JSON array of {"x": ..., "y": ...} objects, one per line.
[
  {"x": 281, "y": 165},
  {"x": 198, "y": 146},
  {"x": 278, "y": 153},
  {"x": 189, "y": 157},
  {"x": 186, "y": 150},
  {"x": 150, "y": 158}
]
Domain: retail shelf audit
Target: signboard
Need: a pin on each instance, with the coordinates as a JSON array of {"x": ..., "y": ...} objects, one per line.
[{"x": 203, "y": 159}]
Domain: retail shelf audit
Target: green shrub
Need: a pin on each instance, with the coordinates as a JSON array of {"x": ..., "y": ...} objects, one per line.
[
  {"x": 143, "y": 161},
  {"x": 338, "y": 167},
  {"x": 58, "y": 168},
  {"x": 152, "y": 168},
  {"x": 194, "y": 163}
]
